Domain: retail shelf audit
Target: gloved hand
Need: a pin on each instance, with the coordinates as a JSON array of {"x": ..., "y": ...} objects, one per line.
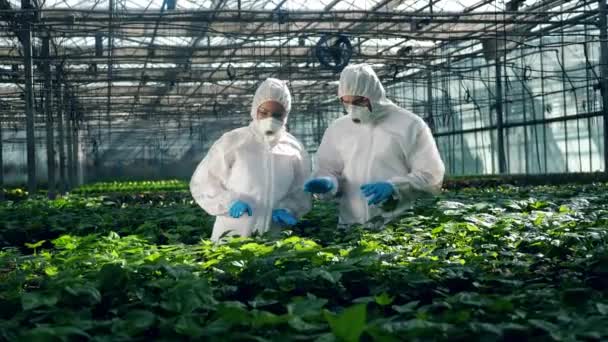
[
  {"x": 378, "y": 192},
  {"x": 319, "y": 185},
  {"x": 238, "y": 208},
  {"x": 283, "y": 217}
]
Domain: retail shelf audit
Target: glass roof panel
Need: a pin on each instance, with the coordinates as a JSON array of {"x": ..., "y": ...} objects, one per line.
[
  {"x": 359, "y": 5},
  {"x": 76, "y": 4},
  {"x": 313, "y": 5},
  {"x": 8, "y": 41}
]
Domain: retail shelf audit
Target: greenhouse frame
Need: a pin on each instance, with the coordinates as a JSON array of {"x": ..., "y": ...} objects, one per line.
[
  {"x": 304, "y": 170},
  {"x": 92, "y": 89}
]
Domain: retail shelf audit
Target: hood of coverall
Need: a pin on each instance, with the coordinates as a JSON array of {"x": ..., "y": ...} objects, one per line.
[
  {"x": 271, "y": 89},
  {"x": 361, "y": 80}
]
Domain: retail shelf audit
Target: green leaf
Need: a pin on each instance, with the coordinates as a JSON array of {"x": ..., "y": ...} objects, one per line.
[
  {"x": 417, "y": 326},
  {"x": 188, "y": 325},
  {"x": 113, "y": 236},
  {"x": 549, "y": 327},
  {"x": 472, "y": 228},
  {"x": 539, "y": 204},
  {"x": 326, "y": 338},
  {"x": 135, "y": 322},
  {"x": 384, "y": 299},
  {"x": 491, "y": 328},
  {"x": 189, "y": 295},
  {"x": 406, "y": 308},
  {"x": 54, "y": 333},
  {"x": 349, "y": 324},
  {"x": 332, "y": 277},
  {"x": 364, "y": 300},
  {"x": 139, "y": 321},
  {"x": 306, "y": 307},
  {"x": 602, "y": 308},
  {"x": 87, "y": 294},
  {"x": 437, "y": 230},
  {"x": 234, "y": 312},
  {"x": 32, "y": 300},
  {"x": 298, "y": 324},
  {"x": 35, "y": 245},
  {"x": 218, "y": 327},
  {"x": 502, "y": 305},
  {"x": 257, "y": 249},
  {"x": 539, "y": 220},
  {"x": 65, "y": 242},
  {"x": 51, "y": 270},
  {"x": 264, "y": 318}
]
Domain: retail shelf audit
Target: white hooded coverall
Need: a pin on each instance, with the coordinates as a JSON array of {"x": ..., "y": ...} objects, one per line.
[
  {"x": 397, "y": 147},
  {"x": 245, "y": 165}
]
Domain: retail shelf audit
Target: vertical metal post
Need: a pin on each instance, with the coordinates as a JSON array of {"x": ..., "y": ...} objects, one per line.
[
  {"x": 110, "y": 68},
  {"x": 493, "y": 141},
  {"x": 26, "y": 39},
  {"x": 48, "y": 109},
  {"x": 68, "y": 135},
  {"x": 1, "y": 165},
  {"x": 588, "y": 99},
  {"x": 61, "y": 133},
  {"x": 318, "y": 134},
  {"x": 562, "y": 56},
  {"x": 429, "y": 98},
  {"x": 524, "y": 105},
  {"x": 603, "y": 12},
  {"x": 75, "y": 157},
  {"x": 543, "y": 100},
  {"x": 502, "y": 167}
]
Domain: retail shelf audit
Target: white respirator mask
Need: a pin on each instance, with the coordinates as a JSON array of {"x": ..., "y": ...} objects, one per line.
[
  {"x": 270, "y": 128},
  {"x": 360, "y": 115}
]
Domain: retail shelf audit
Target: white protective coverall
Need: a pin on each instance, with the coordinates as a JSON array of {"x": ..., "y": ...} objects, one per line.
[
  {"x": 397, "y": 147},
  {"x": 245, "y": 165}
]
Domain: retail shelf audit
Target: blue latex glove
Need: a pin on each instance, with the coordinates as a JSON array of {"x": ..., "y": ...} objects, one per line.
[
  {"x": 238, "y": 208},
  {"x": 319, "y": 186},
  {"x": 283, "y": 217},
  {"x": 378, "y": 192}
]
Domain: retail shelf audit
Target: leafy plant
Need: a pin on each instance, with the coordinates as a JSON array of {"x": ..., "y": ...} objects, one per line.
[{"x": 493, "y": 264}]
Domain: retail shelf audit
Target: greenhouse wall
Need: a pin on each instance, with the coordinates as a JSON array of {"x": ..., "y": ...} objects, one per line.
[{"x": 551, "y": 104}]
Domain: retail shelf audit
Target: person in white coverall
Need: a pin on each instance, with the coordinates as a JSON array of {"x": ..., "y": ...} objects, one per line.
[
  {"x": 252, "y": 177},
  {"x": 378, "y": 158}
]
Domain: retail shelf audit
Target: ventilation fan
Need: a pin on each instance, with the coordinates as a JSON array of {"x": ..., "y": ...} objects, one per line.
[{"x": 334, "y": 52}]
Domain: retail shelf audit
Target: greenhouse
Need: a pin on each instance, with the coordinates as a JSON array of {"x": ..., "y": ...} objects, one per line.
[{"x": 326, "y": 170}]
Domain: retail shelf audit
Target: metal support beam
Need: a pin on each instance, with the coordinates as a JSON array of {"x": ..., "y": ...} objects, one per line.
[
  {"x": 528, "y": 123},
  {"x": 429, "y": 98},
  {"x": 1, "y": 166},
  {"x": 48, "y": 109},
  {"x": 375, "y": 16},
  {"x": 110, "y": 67},
  {"x": 69, "y": 143},
  {"x": 603, "y": 12},
  {"x": 75, "y": 155},
  {"x": 502, "y": 165},
  {"x": 26, "y": 35},
  {"x": 319, "y": 130},
  {"x": 61, "y": 134}
]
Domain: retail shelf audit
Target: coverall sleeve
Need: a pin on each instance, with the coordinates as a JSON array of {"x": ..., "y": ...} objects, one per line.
[
  {"x": 425, "y": 165},
  {"x": 208, "y": 183},
  {"x": 297, "y": 201},
  {"x": 329, "y": 162}
]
